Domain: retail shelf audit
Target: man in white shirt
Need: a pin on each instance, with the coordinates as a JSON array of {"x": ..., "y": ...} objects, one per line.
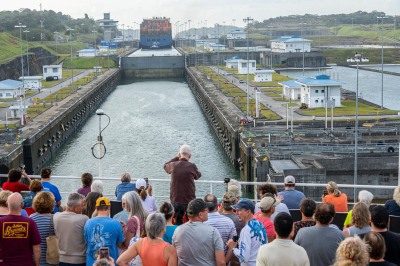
[
  {"x": 252, "y": 236},
  {"x": 282, "y": 251}
]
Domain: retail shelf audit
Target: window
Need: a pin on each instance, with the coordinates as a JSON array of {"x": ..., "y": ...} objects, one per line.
[
  {"x": 322, "y": 101},
  {"x": 244, "y": 64},
  {"x": 322, "y": 91},
  {"x": 8, "y": 94},
  {"x": 316, "y": 91},
  {"x": 316, "y": 101},
  {"x": 45, "y": 70},
  {"x": 55, "y": 70}
]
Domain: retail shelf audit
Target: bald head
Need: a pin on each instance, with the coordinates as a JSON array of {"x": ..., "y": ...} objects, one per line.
[{"x": 14, "y": 202}]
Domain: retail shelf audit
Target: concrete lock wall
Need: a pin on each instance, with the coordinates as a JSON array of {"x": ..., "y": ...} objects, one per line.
[{"x": 153, "y": 67}]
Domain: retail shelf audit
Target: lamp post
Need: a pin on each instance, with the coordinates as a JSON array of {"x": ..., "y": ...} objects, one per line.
[
  {"x": 56, "y": 33},
  {"x": 303, "y": 23},
  {"x": 217, "y": 25},
  {"x": 27, "y": 50},
  {"x": 357, "y": 59},
  {"x": 247, "y": 20},
  {"x": 94, "y": 40},
  {"x": 72, "y": 69},
  {"x": 382, "y": 17},
  {"x": 20, "y": 26}
]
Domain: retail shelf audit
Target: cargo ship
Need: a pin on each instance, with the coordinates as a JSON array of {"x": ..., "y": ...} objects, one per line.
[{"x": 155, "y": 33}]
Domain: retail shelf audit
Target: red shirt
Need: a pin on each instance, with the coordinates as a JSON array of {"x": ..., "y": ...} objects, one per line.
[
  {"x": 268, "y": 224},
  {"x": 19, "y": 234},
  {"x": 15, "y": 186}
]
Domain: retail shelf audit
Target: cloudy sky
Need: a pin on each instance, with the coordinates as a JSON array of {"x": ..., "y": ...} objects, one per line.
[{"x": 217, "y": 11}]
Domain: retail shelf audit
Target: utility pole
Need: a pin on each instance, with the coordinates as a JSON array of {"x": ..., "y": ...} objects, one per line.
[
  {"x": 27, "y": 50},
  {"x": 20, "y": 26},
  {"x": 382, "y": 17},
  {"x": 41, "y": 24},
  {"x": 247, "y": 21}
]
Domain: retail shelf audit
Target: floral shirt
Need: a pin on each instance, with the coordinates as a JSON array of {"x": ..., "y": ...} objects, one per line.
[{"x": 301, "y": 224}]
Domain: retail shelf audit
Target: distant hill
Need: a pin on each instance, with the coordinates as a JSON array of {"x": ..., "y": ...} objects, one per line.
[{"x": 52, "y": 22}]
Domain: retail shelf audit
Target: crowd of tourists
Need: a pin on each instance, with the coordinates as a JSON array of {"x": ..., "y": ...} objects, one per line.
[{"x": 36, "y": 229}]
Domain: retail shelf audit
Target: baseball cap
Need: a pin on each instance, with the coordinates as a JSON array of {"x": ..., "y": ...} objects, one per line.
[
  {"x": 290, "y": 179},
  {"x": 102, "y": 201},
  {"x": 196, "y": 206},
  {"x": 244, "y": 204},
  {"x": 268, "y": 202},
  {"x": 140, "y": 183}
]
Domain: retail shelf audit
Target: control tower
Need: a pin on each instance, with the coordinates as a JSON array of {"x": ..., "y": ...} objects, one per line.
[{"x": 109, "y": 27}]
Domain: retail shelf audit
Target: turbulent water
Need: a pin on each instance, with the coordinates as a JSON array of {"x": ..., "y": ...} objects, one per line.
[{"x": 149, "y": 122}]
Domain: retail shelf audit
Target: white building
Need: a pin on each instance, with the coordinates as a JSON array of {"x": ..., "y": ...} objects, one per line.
[
  {"x": 232, "y": 62},
  {"x": 10, "y": 89},
  {"x": 54, "y": 71},
  {"x": 290, "y": 44},
  {"x": 320, "y": 90},
  {"x": 32, "y": 82},
  {"x": 216, "y": 47},
  {"x": 236, "y": 34},
  {"x": 88, "y": 52},
  {"x": 242, "y": 66},
  {"x": 291, "y": 90},
  {"x": 262, "y": 75}
]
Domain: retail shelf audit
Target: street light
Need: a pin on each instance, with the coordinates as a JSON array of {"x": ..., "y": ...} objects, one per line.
[
  {"x": 72, "y": 69},
  {"x": 382, "y": 17},
  {"x": 94, "y": 40},
  {"x": 20, "y": 26},
  {"x": 247, "y": 20},
  {"x": 302, "y": 23},
  {"x": 27, "y": 50},
  {"x": 56, "y": 33},
  {"x": 357, "y": 59}
]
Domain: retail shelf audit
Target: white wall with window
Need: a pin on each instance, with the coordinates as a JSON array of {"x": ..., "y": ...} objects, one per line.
[
  {"x": 290, "y": 44},
  {"x": 242, "y": 66},
  {"x": 52, "y": 71}
]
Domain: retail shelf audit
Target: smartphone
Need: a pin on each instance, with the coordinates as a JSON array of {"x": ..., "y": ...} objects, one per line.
[
  {"x": 235, "y": 238},
  {"x": 147, "y": 181},
  {"x": 325, "y": 192},
  {"x": 104, "y": 253}
]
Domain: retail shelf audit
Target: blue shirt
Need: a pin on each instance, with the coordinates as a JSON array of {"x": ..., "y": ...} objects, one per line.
[
  {"x": 102, "y": 232},
  {"x": 169, "y": 232},
  {"x": 124, "y": 187},
  {"x": 47, "y": 186},
  {"x": 292, "y": 198}
]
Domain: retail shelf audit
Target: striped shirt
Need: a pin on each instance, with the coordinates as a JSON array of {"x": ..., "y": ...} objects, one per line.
[
  {"x": 223, "y": 224},
  {"x": 43, "y": 223}
]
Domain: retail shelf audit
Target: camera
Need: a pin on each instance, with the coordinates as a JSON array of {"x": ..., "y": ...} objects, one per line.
[
  {"x": 325, "y": 192},
  {"x": 104, "y": 253},
  {"x": 235, "y": 238},
  {"x": 226, "y": 180}
]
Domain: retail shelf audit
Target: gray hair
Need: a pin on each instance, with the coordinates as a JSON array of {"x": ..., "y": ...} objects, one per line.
[
  {"x": 125, "y": 177},
  {"x": 396, "y": 195},
  {"x": 365, "y": 196},
  {"x": 97, "y": 186},
  {"x": 234, "y": 182},
  {"x": 185, "y": 150},
  {"x": 134, "y": 205},
  {"x": 155, "y": 225},
  {"x": 75, "y": 199}
]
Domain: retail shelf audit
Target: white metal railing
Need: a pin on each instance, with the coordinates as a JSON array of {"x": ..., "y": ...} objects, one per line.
[{"x": 213, "y": 183}]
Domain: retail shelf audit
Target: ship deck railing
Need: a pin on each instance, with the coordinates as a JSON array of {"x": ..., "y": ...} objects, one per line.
[{"x": 212, "y": 184}]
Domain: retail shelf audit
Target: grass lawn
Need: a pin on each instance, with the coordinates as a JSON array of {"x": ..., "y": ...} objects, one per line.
[
  {"x": 88, "y": 62},
  {"x": 237, "y": 96},
  {"x": 66, "y": 74},
  {"x": 348, "y": 109},
  {"x": 4, "y": 105},
  {"x": 35, "y": 110}
]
